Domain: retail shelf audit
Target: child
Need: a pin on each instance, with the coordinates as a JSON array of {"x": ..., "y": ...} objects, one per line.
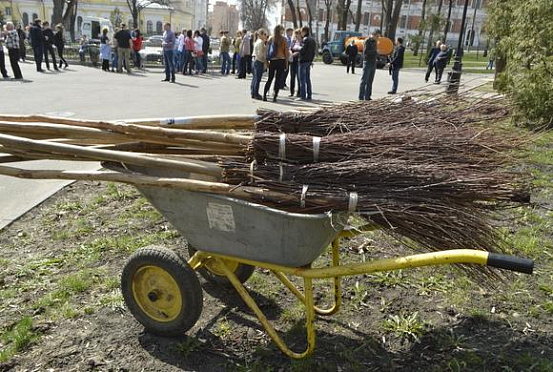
[{"x": 105, "y": 50}]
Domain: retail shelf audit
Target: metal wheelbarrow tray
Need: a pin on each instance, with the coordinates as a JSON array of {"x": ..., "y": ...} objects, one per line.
[{"x": 229, "y": 237}]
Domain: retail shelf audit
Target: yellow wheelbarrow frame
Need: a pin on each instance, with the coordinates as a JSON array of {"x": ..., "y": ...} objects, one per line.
[{"x": 220, "y": 263}]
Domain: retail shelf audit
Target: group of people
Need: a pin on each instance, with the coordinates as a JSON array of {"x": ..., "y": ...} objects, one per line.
[
  {"x": 438, "y": 59},
  {"x": 43, "y": 40},
  {"x": 370, "y": 55},
  {"x": 184, "y": 51},
  {"x": 285, "y": 54},
  {"x": 122, "y": 50}
]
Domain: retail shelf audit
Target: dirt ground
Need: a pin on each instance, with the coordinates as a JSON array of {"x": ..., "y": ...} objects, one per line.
[{"x": 61, "y": 308}]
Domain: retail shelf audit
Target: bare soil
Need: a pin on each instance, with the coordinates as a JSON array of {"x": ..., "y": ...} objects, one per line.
[{"x": 60, "y": 267}]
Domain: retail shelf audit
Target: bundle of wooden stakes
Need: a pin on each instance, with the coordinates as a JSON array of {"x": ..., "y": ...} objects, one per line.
[{"x": 428, "y": 171}]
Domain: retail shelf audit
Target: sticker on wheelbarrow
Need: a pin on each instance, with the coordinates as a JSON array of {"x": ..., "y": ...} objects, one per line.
[{"x": 220, "y": 217}]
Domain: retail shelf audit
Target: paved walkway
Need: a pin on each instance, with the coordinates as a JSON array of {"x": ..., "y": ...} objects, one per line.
[{"x": 85, "y": 92}]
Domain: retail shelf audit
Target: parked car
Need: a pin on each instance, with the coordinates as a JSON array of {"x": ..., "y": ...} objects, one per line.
[{"x": 153, "y": 41}]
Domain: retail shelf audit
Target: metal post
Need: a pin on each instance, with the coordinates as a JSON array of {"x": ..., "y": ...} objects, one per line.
[{"x": 454, "y": 76}]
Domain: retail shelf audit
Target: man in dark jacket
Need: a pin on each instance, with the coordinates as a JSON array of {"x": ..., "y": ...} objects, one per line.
[
  {"x": 351, "y": 52},
  {"x": 205, "y": 48},
  {"x": 307, "y": 55},
  {"x": 440, "y": 62},
  {"x": 396, "y": 63},
  {"x": 430, "y": 61},
  {"x": 48, "y": 35},
  {"x": 37, "y": 38},
  {"x": 369, "y": 68}
]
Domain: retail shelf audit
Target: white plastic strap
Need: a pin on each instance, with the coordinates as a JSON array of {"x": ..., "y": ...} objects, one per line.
[
  {"x": 303, "y": 195},
  {"x": 282, "y": 147},
  {"x": 316, "y": 147},
  {"x": 353, "y": 199},
  {"x": 252, "y": 167},
  {"x": 171, "y": 121},
  {"x": 281, "y": 172}
]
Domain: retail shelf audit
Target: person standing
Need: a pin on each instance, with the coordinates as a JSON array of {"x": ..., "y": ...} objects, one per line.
[
  {"x": 105, "y": 50},
  {"x": 236, "y": 52},
  {"x": 224, "y": 53},
  {"x": 123, "y": 38},
  {"x": 440, "y": 62},
  {"x": 430, "y": 61},
  {"x": 396, "y": 63},
  {"x": 198, "y": 51},
  {"x": 12, "y": 43},
  {"x": 188, "y": 52},
  {"x": 307, "y": 55},
  {"x": 245, "y": 52},
  {"x": 180, "y": 51},
  {"x": 3, "y": 70},
  {"x": 277, "y": 57},
  {"x": 49, "y": 45},
  {"x": 168, "y": 44},
  {"x": 137, "y": 47},
  {"x": 289, "y": 35},
  {"x": 59, "y": 42},
  {"x": 369, "y": 68},
  {"x": 351, "y": 52},
  {"x": 22, "y": 37},
  {"x": 37, "y": 38},
  {"x": 294, "y": 65},
  {"x": 205, "y": 49},
  {"x": 260, "y": 54}
]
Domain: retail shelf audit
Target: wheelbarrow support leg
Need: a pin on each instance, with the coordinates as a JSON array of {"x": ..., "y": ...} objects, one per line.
[
  {"x": 309, "y": 313},
  {"x": 337, "y": 284}
]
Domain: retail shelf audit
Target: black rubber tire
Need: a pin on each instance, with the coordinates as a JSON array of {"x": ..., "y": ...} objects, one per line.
[
  {"x": 327, "y": 58},
  {"x": 344, "y": 60},
  {"x": 187, "y": 282},
  {"x": 243, "y": 273}
]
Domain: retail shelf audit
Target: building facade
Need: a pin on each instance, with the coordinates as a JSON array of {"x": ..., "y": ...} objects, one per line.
[
  {"x": 409, "y": 20},
  {"x": 200, "y": 13},
  {"x": 224, "y": 18},
  {"x": 151, "y": 18}
]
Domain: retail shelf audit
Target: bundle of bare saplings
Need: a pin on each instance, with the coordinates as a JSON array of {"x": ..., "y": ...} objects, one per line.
[{"x": 429, "y": 172}]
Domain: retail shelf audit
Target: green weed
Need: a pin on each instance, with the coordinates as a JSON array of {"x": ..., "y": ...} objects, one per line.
[
  {"x": 405, "y": 326},
  {"x": 66, "y": 206},
  {"x": 17, "y": 338},
  {"x": 78, "y": 282},
  {"x": 388, "y": 278},
  {"x": 188, "y": 346},
  {"x": 223, "y": 329}
]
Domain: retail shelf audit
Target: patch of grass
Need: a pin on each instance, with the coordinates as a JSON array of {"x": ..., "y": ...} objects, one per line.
[
  {"x": 67, "y": 206},
  {"x": 479, "y": 316},
  {"x": 4, "y": 263},
  {"x": 360, "y": 293},
  {"x": 293, "y": 313},
  {"x": 113, "y": 300},
  {"x": 188, "y": 346},
  {"x": 118, "y": 192},
  {"x": 17, "y": 338},
  {"x": 529, "y": 240},
  {"x": 223, "y": 329},
  {"x": 111, "y": 282},
  {"x": 68, "y": 311},
  {"x": 405, "y": 326},
  {"x": 466, "y": 361},
  {"x": 388, "y": 278},
  {"x": 78, "y": 282},
  {"x": 52, "y": 299},
  {"x": 427, "y": 285}
]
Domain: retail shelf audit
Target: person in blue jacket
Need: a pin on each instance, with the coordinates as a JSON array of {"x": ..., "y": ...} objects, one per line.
[
  {"x": 440, "y": 62},
  {"x": 430, "y": 61},
  {"x": 36, "y": 37}
]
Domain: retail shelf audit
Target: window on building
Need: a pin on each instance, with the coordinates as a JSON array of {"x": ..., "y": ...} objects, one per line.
[
  {"x": 403, "y": 22},
  {"x": 79, "y": 24},
  {"x": 321, "y": 15},
  {"x": 149, "y": 27},
  {"x": 25, "y": 19},
  {"x": 159, "y": 27},
  {"x": 366, "y": 18},
  {"x": 8, "y": 11}
]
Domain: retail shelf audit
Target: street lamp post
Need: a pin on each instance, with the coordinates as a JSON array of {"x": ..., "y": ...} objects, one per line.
[{"x": 454, "y": 76}]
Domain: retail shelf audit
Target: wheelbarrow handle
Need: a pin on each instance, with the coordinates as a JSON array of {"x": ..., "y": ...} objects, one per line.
[{"x": 522, "y": 265}]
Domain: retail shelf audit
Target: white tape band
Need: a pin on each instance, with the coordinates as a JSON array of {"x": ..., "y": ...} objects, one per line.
[
  {"x": 252, "y": 167},
  {"x": 353, "y": 199},
  {"x": 316, "y": 147},
  {"x": 303, "y": 195},
  {"x": 282, "y": 147},
  {"x": 281, "y": 172}
]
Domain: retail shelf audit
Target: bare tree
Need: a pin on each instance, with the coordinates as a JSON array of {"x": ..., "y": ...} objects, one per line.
[
  {"x": 65, "y": 12},
  {"x": 448, "y": 21},
  {"x": 136, "y": 6},
  {"x": 328, "y": 6},
  {"x": 358, "y": 15},
  {"x": 300, "y": 18},
  {"x": 390, "y": 17},
  {"x": 422, "y": 27},
  {"x": 253, "y": 13},
  {"x": 342, "y": 7},
  {"x": 309, "y": 4},
  {"x": 293, "y": 11},
  {"x": 435, "y": 20}
]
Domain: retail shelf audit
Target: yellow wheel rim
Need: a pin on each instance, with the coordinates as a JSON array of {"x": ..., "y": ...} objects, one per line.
[
  {"x": 214, "y": 268},
  {"x": 157, "y": 293}
]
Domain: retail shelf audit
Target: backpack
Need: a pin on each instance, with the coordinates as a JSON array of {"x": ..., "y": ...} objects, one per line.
[{"x": 271, "y": 50}]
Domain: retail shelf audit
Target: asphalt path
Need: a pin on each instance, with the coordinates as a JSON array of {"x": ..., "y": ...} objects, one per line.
[{"x": 89, "y": 93}]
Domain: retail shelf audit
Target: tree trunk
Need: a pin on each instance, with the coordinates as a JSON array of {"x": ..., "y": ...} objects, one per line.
[
  {"x": 328, "y": 4},
  {"x": 299, "y": 13},
  {"x": 358, "y": 15},
  {"x": 392, "y": 26},
  {"x": 500, "y": 64},
  {"x": 69, "y": 18},
  {"x": 421, "y": 29},
  {"x": 293, "y": 11},
  {"x": 57, "y": 11},
  {"x": 448, "y": 22},
  {"x": 434, "y": 26},
  {"x": 309, "y": 15}
]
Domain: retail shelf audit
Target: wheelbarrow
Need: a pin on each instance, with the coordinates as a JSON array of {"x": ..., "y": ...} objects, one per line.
[{"x": 229, "y": 237}]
